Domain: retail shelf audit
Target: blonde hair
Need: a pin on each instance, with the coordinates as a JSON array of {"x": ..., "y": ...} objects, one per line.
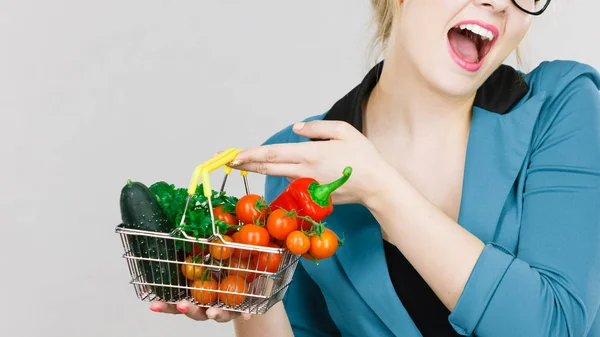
[{"x": 382, "y": 17}]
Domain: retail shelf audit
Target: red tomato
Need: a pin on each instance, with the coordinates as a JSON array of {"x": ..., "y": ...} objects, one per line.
[
  {"x": 233, "y": 284},
  {"x": 268, "y": 262},
  {"x": 252, "y": 209},
  {"x": 237, "y": 252},
  {"x": 297, "y": 243},
  {"x": 251, "y": 234},
  {"x": 226, "y": 217},
  {"x": 324, "y": 245},
  {"x": 280, "y": 225}
]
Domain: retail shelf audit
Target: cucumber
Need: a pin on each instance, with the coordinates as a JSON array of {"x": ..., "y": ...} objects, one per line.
[{"x": 140, "y": 210}]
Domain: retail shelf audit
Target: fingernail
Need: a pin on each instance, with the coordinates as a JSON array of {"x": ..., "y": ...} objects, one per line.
[
  {"x": 299, "y": 126},
  {"x": 182, "y": 309},
  {"x": 154, "y": 309},
  {"x": 211, "y": 316},
  {"x": 235, "y": 162}
]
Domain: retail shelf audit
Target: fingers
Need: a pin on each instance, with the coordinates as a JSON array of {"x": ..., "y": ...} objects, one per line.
[
  {"x": 325, "y": 130},
  {"x": 275, "y": 153},
  {"x": 192, "y": 311},
  {"x": 271, "y": 169},
  {"x": 222, "y": 316},
  {"x": 196, "y": 312}
]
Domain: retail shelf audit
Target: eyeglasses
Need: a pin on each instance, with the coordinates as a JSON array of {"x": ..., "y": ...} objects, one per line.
[{"x": 532, "y": 7}]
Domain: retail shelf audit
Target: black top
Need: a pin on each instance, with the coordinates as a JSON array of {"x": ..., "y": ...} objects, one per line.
[{"x": 498, "y": 94}]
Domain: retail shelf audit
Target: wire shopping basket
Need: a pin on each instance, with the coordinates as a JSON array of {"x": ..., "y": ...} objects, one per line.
[{"x": 216, "y": 271}]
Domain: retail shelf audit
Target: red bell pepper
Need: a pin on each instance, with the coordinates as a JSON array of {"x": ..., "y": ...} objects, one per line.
[{"x": 308, "y": 198}]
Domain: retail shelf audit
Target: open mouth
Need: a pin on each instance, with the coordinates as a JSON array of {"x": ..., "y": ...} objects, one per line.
[{"x": 470, "y": 43}]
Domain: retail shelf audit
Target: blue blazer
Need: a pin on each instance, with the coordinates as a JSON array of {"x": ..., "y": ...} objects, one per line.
[{"x": 531, "y": 193}]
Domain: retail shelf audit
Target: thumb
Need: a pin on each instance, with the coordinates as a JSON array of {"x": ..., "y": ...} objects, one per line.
[{"x": 337, "y": 130}]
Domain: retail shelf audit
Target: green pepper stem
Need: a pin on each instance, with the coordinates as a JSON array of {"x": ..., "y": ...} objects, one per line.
[{"x": 321, "y": 193}]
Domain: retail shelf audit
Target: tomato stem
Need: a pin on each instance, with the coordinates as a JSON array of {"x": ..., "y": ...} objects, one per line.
[
  {"x": 312, "y": 258},
  {"x": 317, "y": 227}
]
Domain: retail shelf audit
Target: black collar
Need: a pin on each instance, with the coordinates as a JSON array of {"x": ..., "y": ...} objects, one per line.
[{"x": 498, "y": 94}]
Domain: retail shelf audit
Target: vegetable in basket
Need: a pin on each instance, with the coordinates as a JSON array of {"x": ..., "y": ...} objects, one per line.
[
  {"x": 309, "y": 198},
  {"x": 197, "y": 220},
  {"x": 141, "y": 210}
]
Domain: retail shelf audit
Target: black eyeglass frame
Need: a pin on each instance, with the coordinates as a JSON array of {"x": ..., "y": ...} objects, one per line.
[{"x": 533, "y": 13}]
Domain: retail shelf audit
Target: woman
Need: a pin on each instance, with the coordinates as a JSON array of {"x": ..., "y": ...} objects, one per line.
[{"x": 473, "y": 205}]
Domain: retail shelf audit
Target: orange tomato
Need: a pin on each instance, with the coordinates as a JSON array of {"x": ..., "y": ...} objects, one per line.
[
  {"x": 297, "y": 243},
  {"x": 324, "y": 245},
  {"x": 280, "y": 225},
  {"x": 221, "y": 252},
  {"x": 268, "y": 262},
  {"x": 204, "y": 291},
  {"x": 190, "y": 271},
  {"x": 233, "y": 284},
  {"x": 242, "y": 264},
  {"x": 237, "y": 252}
]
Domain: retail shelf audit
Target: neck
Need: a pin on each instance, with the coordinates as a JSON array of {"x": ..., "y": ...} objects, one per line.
[{"x": 403, "y": 103}]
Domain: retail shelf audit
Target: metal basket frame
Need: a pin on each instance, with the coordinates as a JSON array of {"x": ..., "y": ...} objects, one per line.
[{"x": 264, "y": 287}]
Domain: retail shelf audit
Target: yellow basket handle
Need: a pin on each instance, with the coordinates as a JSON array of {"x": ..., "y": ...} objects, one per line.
[
  {"x": 202, "y": 170},
  {"x": 228, "y": 171}
]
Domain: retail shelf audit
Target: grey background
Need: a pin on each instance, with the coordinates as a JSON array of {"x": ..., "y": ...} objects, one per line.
[{"x": 95, "y": 92}]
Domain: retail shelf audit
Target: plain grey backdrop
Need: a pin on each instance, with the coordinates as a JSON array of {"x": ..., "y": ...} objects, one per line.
[{"x": 93, "y": 93}]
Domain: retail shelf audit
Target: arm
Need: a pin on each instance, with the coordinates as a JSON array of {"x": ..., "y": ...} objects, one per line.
[
  {"x": 552, "y": 287},
  {"x": 307, "y": 311}
]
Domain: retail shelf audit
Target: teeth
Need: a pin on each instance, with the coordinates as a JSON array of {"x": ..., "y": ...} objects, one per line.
[{"x": 484, "y": 33}]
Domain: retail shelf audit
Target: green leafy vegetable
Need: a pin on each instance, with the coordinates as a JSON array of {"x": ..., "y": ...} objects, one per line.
[{"x": 197, "y": 219}]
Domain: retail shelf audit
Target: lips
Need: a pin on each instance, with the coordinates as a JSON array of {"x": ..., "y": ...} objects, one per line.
[{"x": 469, "y": 42}]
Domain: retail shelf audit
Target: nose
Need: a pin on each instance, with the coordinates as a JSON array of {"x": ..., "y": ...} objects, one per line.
[{"x": 499, "y": 6}]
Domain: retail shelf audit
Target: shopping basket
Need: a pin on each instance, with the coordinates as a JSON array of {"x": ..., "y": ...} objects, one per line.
[{"x": 215, "y": 272}]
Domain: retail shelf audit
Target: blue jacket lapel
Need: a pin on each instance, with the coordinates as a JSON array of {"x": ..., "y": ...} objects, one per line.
[
  {"x": 363, "y": 260},
  {"x": 498, "y": 146}
]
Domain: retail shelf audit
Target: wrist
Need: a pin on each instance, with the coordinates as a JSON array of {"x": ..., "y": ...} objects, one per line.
[{"x": 386, "y": 186}]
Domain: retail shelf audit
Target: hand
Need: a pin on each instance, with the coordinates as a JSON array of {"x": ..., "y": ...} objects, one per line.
[
  {"x": 322, "y": 160},
  {"x": 196, "y": 312}
]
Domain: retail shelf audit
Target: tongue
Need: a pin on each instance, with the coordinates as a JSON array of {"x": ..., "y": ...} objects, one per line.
[{"x": 463, "y": 46}]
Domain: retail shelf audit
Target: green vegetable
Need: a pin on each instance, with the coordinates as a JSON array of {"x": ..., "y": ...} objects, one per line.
[
  {"x": 141, "y": 210},
  {"x": 197, "y": 219}
]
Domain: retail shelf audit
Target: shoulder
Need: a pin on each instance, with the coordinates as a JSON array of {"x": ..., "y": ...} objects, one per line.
[
  {"x": 559, "y": 79},
  {"x": 561, "y": 72},
  {"x": 569, "y": 95}
]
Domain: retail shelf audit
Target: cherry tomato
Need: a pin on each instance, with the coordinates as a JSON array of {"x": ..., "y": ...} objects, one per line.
[
  {"x": 252, "y": 209},
  {"x": 197, "y": 249},
  {"x": 203, "y": 291},
  {"x": 190, "y": 271},
  {"x": 233, "y": 284},
  {"x": 237, "y": 252},
  {"x": 221, "y": 252},
  {"x": 251, "y": 234},
  {"x": 268, "y": 262},
  {"x": 280, "y": 225},
  {"x": 245, "y": 264},
  {"x": 297, "y": 242},
  {"x": 324, "y": 245},
  {"x": 226, "y": 217}
]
